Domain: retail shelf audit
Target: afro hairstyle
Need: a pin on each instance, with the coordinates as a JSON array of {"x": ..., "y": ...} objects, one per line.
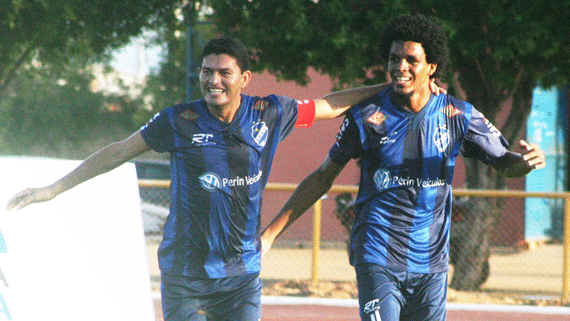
[{"x": 421, "y": 29}]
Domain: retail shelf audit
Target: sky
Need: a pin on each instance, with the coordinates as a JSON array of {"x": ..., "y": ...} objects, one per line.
[{"x": 139, "y": 53}]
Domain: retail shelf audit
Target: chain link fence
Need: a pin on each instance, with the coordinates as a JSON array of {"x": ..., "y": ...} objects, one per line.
[{"x": 488, "y": 248}]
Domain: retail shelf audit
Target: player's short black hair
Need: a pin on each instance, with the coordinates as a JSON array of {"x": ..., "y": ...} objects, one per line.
[
  {"x": 229, "y": 46},
  {"x": 418, "y": 28}
]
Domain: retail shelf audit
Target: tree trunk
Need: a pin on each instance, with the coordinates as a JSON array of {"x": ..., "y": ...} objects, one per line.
[{"x": 472, "y": 234}]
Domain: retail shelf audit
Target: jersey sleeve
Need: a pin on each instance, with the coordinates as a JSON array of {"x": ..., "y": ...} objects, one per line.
[
  {"x": 348, "y": 143},
  {"x": 483, "y": 141},
  {"x": 158, "y": 133}
]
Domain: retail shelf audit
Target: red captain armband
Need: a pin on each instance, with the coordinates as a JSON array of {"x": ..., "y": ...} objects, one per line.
[{"x": 306, "y": 116}]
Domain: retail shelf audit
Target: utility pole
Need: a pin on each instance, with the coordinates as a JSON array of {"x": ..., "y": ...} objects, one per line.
[{"x": 192, "y": 83}]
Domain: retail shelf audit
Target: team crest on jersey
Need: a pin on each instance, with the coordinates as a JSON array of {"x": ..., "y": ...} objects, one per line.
[
  {"x": 210, "y": 182},
  {"x": 450, "y": 111},
  {"x": 441, "y": 138},
  {"x": 377, "y": 118},
  {"x": 260, "y": 105},
  {"x": 259, "y": 133},
  {"x": 189, "y": 114},
  {"x": 382, "y": 179}
]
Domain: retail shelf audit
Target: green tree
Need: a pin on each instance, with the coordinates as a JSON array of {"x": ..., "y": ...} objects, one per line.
[
  {"x": 47, "y": 48},
  {"x": 501, "y": 50},
  {"x": 55, "y": 31},
  {"x": 52, "y": 111},
  {"x": 168, "y": 85}
]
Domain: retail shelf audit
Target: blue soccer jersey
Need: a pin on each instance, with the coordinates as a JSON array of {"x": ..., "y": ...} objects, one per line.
[
  {"x": 218, "y": 175},
  {"x": 403, "y": 208}
]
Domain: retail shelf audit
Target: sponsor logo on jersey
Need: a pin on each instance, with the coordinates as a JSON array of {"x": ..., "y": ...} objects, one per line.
[
  {"x": 260, "y": 105},
  {"x": 189, "y": 114},
  {"x": 212, "y": 182},
  {"x": 417, "y": 182},
  {"x": 450, "y": 111},
  {"x": 382, "y": 179},
  {"x": 377, "y": 118},
  {"x": 441, "y": 138},
  {"x": 372, "y": 309},
  {"x": 259, "y": 133},
  {"x": 202, "y": 139},
  {"x": 388, "y": 139},
  {"x": 492, "y": 127}
]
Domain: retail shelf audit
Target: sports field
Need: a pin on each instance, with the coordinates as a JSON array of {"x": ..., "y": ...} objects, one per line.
[
  {"x": 302, "y": 309},
  {"x": 517, "y": 278}
]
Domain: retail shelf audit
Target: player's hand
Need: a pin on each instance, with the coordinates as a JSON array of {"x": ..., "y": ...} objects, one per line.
[
  {"x": 532, "y": 155},
  {"x": 29, "y": 196},
  {"x": 435, "y": 89}
]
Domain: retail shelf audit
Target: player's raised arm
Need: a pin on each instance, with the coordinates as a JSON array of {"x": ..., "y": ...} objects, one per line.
[
  {"x": 305, "y": 195},
  {"x": 104, "y": 160},
  {"x": 517, "y": 165},
  {"x": 335, "y": 104}
]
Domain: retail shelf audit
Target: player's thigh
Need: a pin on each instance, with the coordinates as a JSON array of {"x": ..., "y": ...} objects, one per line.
[
  {"x": 245, "y": 307},
  {"x": 225, "y": 307},
  {"x": 179, "y": 302},
  {"x": 427, "y": 299},
  {"x": 238, "y": 300},
  {"x": 379, "y": 296},
  {"x": 195, "y": 299}
]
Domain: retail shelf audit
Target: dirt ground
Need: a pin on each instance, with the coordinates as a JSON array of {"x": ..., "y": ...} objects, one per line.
[
  {"x": 347, "y": 290},
  {"x": 529, "y": 277}
]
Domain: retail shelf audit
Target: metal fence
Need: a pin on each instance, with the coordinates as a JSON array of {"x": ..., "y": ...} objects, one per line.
[{"x": 315, "y": 247}]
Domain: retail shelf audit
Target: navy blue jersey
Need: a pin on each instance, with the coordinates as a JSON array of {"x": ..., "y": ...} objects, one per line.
[
  {"x": 403, "y": 208},
  {"x": 218, "y": 175}
]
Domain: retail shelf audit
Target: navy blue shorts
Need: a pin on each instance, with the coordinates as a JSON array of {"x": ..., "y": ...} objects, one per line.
[
  {"x": 197, "y": 299},
  {"x": 386, "y": 295}
]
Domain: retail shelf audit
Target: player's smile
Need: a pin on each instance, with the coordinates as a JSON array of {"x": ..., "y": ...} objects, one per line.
[
  {"x": 402, "y": 81},
  {"x": 215, "y": 90}
]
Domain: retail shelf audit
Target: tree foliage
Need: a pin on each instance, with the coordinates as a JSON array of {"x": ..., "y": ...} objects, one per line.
[
  {"x": 55, "y": 31},
  {"x": 169, "y": 84},
  {"x": 53, "y": 111},
  {"x": 47, "y": 48},
  {"x": 338, "y": 37}
]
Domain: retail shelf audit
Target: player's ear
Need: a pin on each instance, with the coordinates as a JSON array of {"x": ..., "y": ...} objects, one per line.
[
  {"x": 245, "y": 78},
  {"x": 432, "y": 69}
]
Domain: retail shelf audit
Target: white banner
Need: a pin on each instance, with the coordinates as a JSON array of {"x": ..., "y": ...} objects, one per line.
[{"x": 80, "y": 256}]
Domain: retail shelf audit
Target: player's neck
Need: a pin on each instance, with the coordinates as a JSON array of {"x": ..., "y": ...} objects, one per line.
[
  {"x": 413, "y": 102},
  {"x": 225, "y": 113}
]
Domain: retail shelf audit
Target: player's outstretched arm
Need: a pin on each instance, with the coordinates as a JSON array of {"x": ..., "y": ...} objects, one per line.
[
  {"x": 519, "y": 164},
  {"x": 305, "y": 195},
  {"x": 100, "y": 162},
  {"x": 337, "y": 103}
]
